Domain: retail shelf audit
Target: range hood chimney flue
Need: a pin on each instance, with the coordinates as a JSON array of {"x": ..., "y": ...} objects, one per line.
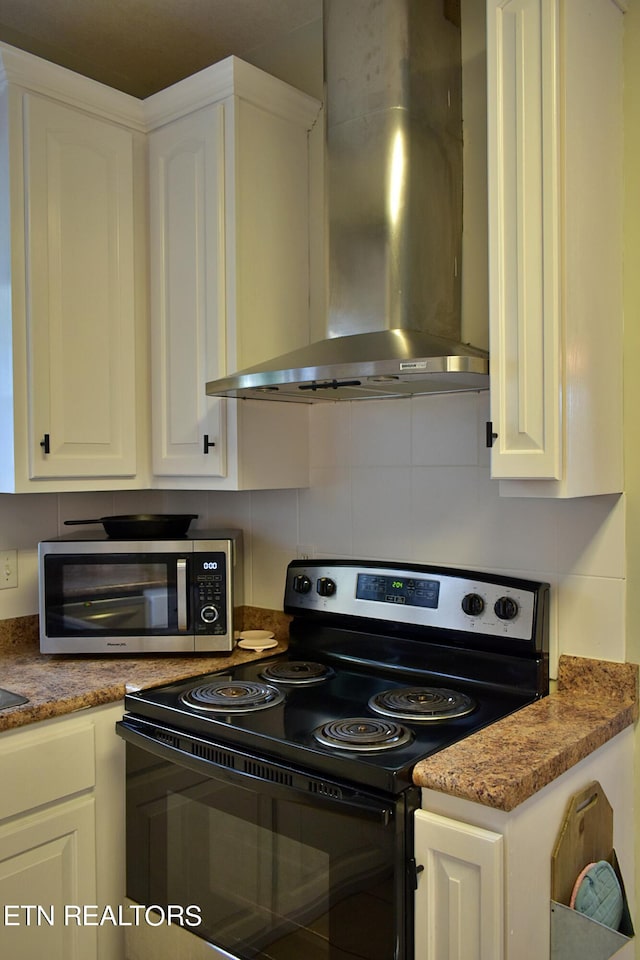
[{"x": 393, "y": 114}]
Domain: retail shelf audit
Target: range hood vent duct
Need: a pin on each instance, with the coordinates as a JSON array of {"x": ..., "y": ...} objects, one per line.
[{"x": 393, "y": 115}]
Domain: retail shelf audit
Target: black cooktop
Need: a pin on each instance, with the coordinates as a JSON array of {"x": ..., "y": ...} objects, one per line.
[{"x": 285, "y": 730}]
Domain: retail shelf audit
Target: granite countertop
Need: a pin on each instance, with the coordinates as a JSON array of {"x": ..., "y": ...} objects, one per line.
[
  {"x": 501, "y": 766},
  {"x": 60, "y": 684},
  {"x": 512, "y": 759}
]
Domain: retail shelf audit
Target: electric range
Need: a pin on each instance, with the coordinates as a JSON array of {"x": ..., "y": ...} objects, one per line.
[
  {"x": 274, "y": 799},
  {"x": 386, "y": 665}
]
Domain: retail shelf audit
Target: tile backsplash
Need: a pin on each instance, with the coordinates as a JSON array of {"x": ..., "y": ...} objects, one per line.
[{"x": 395, "y": 479}]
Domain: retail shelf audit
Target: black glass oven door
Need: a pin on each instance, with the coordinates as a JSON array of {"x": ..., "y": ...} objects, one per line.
[{"x": 279, "y": 864}]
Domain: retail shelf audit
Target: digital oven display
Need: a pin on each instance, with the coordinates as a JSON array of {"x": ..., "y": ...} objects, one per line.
[{"x": 403, "y": 590}]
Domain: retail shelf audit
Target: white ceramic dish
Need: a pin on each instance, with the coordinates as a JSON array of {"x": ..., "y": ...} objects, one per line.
[
  {"x": 257, "y": 645},
  {"x": 257, "y": 636}
]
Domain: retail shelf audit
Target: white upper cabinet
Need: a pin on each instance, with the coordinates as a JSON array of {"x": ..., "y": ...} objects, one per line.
[
  {"x": 230, "y": 237},
  {"x": 209, "y": 182},
  {"x": 555, "y": 231},
  {"x": 72, "y": 410},
  {"x": 187, "y": 302},
  {"x": 79, "y": 175}
]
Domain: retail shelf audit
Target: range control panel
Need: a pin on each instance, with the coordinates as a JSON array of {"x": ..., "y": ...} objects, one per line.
[{"x": 437, "y": 597}]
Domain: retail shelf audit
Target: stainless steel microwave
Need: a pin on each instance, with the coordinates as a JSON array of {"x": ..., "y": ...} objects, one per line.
[{"x": 99, "y": 595}]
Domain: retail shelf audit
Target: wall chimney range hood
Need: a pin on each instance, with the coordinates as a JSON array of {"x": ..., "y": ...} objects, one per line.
[{"x": 393, "y": 115}]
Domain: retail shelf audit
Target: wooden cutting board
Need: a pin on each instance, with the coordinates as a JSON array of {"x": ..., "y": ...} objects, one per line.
[{"x": 586, "y": 835}]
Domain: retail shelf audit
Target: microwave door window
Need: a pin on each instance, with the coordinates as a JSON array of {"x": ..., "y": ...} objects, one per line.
[{"x": 118, "y": 597}]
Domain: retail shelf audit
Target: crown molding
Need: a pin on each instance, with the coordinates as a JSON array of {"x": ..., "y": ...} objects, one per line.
[
  {"x": 229, "y": 77},
  {"x": 51, "y": 80}
]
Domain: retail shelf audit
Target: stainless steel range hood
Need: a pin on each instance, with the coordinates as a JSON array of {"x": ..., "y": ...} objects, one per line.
[{"x": 393, "y": 113}]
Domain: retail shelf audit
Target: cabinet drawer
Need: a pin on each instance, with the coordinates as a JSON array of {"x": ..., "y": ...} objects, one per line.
[{"x": 40, "y": 766}]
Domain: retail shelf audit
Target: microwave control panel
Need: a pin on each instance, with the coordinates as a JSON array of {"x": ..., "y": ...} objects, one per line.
[{"x": 209, "y": 585}]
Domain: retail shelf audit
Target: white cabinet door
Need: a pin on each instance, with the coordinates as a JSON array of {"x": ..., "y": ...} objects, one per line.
[
  {"x": 230, "y": 185},
  {"x": 62, "y": 836},
  {"x": 47, "y": 838},
  {"x": 187, "y": 293},
  {"x": 459, "y": 903},
  {"x": 525, "y": 334},
  {"x": 80, "y": 293},
  {"x": 555, "y": 251},
  {"x": 47, "y": 868}
]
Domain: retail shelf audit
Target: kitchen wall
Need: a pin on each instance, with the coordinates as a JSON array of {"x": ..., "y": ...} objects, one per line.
[
  {"x": 398, "y": 479},
  {"x": 409, "y": 480},
  {"x": 632, "y": 326},
  {"x": 631, "y": 348}
]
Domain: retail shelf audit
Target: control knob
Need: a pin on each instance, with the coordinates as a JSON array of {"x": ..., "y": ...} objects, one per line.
[
  {"x": 301, "y": 583},
  {"x": 506, "y": 608},
  {"x": 326, "y": 587},
  {"x": 209, "y": 614},
  {"x": 472, "y": 604}
]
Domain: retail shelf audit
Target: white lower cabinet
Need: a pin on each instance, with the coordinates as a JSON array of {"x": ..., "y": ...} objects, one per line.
[
  {"x": 62, "y": 838},
  {"x": 485, "y": 890},
  {"x": 459, "y": 901},
  {"x": 47, "y": 865}
]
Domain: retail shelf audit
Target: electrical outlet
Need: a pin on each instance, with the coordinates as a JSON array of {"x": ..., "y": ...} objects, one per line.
[
  {"x": 305, "y": 552},
  {"x": 8, "y": 569}
]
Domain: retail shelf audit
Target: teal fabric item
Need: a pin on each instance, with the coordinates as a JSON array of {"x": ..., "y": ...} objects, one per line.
[{"x": 599, "y": 896}]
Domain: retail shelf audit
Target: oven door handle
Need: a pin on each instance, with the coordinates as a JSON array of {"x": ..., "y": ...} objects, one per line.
[{"x": 274, "y": 779}]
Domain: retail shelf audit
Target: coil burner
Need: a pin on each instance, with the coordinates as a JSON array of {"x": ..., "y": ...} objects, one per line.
[
  {"x": 232, "y": 696},
  {"x": 422, "y": 703},
  {"x": 362, "y": 734},
  {"x": 298, "y": 672}
]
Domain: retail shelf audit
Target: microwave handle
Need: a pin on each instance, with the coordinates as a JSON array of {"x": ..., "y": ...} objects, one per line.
[{"x": 181, "y": 588}]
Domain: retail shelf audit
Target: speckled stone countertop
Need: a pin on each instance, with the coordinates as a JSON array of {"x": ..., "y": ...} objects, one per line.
[
  {"x": 55, "y": 685},
  {"x": 511, "y": 760},
  {"x": 500, "y": 766}
]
